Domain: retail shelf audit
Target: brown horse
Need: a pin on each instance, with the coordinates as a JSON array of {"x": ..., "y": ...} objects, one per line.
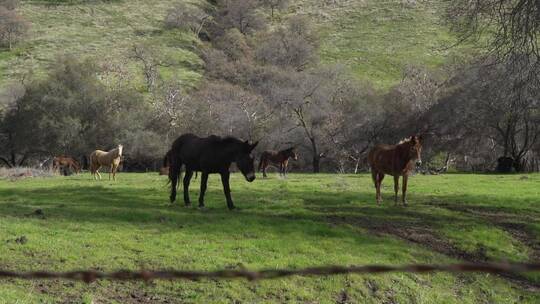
[
  {"x": 66, "y": 162},
  {"x": 396, "y": 160},
  {"x": 110, "y": 159},
  {"x": 280, "y": 158}
]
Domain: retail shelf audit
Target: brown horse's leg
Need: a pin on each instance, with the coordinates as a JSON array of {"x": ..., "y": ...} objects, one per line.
[
  {"x": 204, "y": 182},
  {"x": 404, "y": 195},
  {"x": 113, "y": 169},
  {"x": 380, "y": 177},
  {"x": 396, "y": 188},
  {"x": 187, "y": 180},
  {"x": 285, "y": 164},
  {"x": 375, "y": 183}
]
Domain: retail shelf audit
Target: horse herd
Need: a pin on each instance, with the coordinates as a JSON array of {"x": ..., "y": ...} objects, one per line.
[{"x": 215, "y": 155}]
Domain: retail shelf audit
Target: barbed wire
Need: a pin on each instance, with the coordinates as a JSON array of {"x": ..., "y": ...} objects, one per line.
[{"x": 89, "y": 276}]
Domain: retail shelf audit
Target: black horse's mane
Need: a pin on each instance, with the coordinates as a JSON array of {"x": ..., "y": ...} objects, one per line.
[{"x": 225, "y": 140}]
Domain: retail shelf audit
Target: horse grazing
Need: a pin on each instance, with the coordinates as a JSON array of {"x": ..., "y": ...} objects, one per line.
[
  {"x": 396, "y": 160},
  {"x": 110, "y": 159},
  {"x": 280, "y": 158},
  {"x": 208, "y": 155},
  {"x": 66, "y": 162}
]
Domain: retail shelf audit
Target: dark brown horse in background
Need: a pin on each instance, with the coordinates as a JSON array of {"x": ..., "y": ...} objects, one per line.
[
  {"x": 66, "y": 162},
  {"x": 280, "y": 158},
  {"x": 208, "y": 155},
  {"x": 396, "y": 160}
]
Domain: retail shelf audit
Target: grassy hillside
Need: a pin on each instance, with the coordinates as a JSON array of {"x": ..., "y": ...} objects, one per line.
[
  {"x": 301, "y": 221},
  {"x": 106, "y": 30},
  {"x": 378, "y": 39}
]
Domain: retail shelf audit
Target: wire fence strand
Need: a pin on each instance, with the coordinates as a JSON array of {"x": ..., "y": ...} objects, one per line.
[{"x": 89, "y": 276}]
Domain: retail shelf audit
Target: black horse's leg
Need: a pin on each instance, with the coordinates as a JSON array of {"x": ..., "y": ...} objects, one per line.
[
  {"x": 204, "y": 181},
  {"x": 187, "y": 179},
  {"x": 174, "y": 175},
  {"x": 227, "y": 189}
]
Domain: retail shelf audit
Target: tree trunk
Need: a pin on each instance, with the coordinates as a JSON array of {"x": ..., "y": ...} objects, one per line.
[
  {"x": 316, "y": 163},
  {"x": 519, "y": 164},
  {"x": 316, "y": 156}
]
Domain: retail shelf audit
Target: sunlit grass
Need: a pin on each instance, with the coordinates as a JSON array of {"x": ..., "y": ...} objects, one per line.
[{"x": 304, "y": 220}]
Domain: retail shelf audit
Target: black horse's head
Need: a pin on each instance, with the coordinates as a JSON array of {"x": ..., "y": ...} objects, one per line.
[{"x": 245, "y": 161}]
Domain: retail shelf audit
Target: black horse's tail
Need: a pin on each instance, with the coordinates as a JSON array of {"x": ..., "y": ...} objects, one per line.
[{"x": 166, "y": 159}]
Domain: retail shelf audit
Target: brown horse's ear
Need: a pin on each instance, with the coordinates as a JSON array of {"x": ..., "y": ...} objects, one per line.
[
  {"x": 420, "y": 138},
  {"x": 413, "y": 139}
]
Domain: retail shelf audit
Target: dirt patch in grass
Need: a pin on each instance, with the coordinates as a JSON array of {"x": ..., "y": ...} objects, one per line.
[
  {"x": 421, "y": 235},
  {"x": 426, "y": 236},
  {"x": 513, "y": 223}
]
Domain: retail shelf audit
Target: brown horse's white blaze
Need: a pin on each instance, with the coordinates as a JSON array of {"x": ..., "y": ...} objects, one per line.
[
  {"x": 396, "y": 160},
  {"x": 111, "y": 159}
]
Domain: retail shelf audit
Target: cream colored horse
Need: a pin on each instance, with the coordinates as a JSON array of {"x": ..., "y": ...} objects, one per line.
[{"x": 110, "y": 159}]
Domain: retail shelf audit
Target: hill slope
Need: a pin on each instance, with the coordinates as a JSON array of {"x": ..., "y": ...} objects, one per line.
[
  {"x": 103, "y": 30},
  {"x": 377, "y": 39}
]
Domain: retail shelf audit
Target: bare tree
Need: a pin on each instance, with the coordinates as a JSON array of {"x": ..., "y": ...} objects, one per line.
[
  {"x": 294, "y": 45},
  {"x": 274, "y": 5},
  {"x": 512, "y": 27},
  {"x": 491, "y": 109},
  {"x": 151, "y": 62},
  {"x": 12, "y": 27},
  {"x": 240, "y": 14},
  {"x": 9, "y": 4},
  {"x": 234, "y": 110},
  {"x": 187, "y": 16}
]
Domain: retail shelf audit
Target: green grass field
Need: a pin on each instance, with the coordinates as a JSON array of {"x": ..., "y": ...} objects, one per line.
[{"x": 304, "y": 220}]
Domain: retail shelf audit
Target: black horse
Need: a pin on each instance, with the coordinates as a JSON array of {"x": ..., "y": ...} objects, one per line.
[{"x": 212, "y": 154}]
